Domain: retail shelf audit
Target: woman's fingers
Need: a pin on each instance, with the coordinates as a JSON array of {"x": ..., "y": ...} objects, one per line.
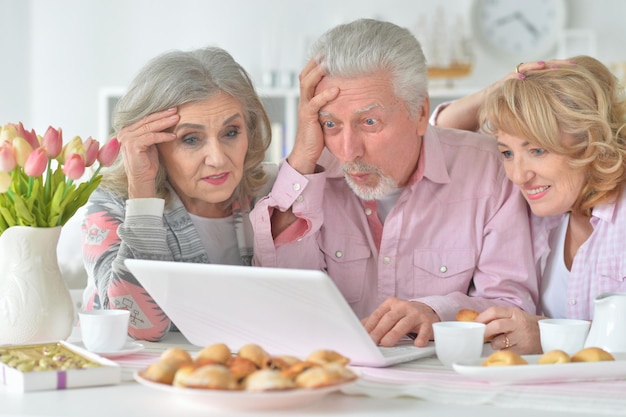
[{"x": 155, "y": 122}]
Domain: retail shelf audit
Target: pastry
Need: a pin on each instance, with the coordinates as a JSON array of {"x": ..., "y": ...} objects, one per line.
[
  {"x": 327, "y": 356},
  {"x": 216, "y": 353},
  {"x": 504, "y": 358},
  {"x": 241, "y": 367},
  {"x": 343, "y": 373},
  {"x": 268, "y": 380},
  {"x": 324, "y": 376},
  {"x": 554, "y": 356},
  {"x": 169, "y": 362},
  {"x": 297, "y": 368},
  {"x": 176, "y": 355},
  {"x": 466, "y": 315},
  {"x": 592, "y": 354},
  {"x": 207, "y": 377},
  {"x": 161, "y": 371},
  {"x": 182, "y": 373},
  {"x": 256, "y": 354},
  {"x": 282, "y": 362}
]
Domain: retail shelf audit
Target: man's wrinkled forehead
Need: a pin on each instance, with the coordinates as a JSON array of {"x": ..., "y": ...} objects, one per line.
[{"x": 364, "y": 110}]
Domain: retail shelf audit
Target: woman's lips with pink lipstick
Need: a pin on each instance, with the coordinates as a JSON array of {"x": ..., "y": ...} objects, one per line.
[
  {"x": 535, "y": 193},
  {"x": 216, "y": 179}
]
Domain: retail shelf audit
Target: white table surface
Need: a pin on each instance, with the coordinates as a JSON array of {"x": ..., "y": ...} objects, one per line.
[
  {"x": 136, "y": 401},
  {"x": 132, "y": 399}
]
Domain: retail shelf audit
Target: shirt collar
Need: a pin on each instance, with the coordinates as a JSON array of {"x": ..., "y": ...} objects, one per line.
[
  {"x": 431, "y": 163},
  {"x": 604, "y": 212}
]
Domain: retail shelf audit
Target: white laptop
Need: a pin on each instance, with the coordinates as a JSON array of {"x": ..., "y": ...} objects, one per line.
[{"x": 286, "y": 311}]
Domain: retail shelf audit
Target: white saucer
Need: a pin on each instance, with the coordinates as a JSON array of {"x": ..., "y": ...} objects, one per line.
[{"x": 128, "y": 349}]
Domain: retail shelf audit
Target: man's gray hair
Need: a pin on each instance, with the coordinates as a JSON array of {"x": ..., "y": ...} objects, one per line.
[{"x": 367, "y": 46}]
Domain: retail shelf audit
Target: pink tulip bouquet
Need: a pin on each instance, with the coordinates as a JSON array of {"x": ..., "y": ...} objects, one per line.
[{"x": 39, "y": 176}]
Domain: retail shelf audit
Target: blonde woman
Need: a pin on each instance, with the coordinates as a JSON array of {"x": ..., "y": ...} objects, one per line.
[{"x": 560, "y": 127}]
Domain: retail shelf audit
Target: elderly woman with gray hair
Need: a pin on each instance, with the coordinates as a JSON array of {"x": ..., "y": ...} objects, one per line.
[{"x": 193, "y": 133}]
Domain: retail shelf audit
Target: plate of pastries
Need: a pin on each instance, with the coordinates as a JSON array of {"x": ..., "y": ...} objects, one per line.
[
  {"x": 249, "y": 379},
  {"x": 555, "y": 366}
]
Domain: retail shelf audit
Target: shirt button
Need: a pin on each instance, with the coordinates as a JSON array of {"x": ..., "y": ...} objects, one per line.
[
  {"x": 386, "y": 260},
  {"x": 338, "y": 254},
  {"x": 572, "y": 301},
  {"x": 443, "y": 269},
  {"x": 368, "y": 211},
  {"x": 296, "y": 187},
  {"x": 299, "y": 199}
]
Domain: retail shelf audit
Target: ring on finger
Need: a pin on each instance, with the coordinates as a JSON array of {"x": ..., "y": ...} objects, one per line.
[
  {"x": 507, "y": 342},
  {"x": 517, "y": 67}
]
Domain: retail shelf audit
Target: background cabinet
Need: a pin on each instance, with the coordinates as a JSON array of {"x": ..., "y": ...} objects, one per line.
[{"x": 281, "y": 105}]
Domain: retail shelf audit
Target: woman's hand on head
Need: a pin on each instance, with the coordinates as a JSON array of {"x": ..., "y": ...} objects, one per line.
[
  {"x": 524, "y": 67},
  {"x": 463, "y": 113},
  {"x": 141, "y": 157},
  {"x": 511, "y": 329}
]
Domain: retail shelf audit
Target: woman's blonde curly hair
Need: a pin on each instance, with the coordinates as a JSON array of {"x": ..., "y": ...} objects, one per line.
[{"x": 584, "y": 100}]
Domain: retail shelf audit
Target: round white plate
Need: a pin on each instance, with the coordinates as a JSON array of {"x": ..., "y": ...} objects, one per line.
[
  {"x": 245, "y": 400},
  {"x": 128, "y": 349}
]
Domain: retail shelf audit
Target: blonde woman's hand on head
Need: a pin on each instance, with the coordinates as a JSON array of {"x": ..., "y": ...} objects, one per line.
[
  {"x": 463, "y": 113},
  {"x": 524, "y": 67}
]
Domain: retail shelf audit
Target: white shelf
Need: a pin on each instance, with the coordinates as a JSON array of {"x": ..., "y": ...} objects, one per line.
[
  {"x": 454, "y": 92},
  {"x": 107, "y": 98},
  {"x": 281, "y": 105}
]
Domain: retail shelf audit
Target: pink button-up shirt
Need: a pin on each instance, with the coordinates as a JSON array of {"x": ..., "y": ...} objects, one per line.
[
  {"x": 600, "y": 263},
  {"x": 457, "y": 237}
]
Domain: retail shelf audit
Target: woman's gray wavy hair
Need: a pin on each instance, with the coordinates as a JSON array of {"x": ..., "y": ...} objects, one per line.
[
  {"x": 178, "y": 77},
  {"x": 368, "y": 46}
]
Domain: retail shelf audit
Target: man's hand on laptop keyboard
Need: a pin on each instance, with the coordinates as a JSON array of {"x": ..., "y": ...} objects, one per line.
[{"x": 395, "y": 319}]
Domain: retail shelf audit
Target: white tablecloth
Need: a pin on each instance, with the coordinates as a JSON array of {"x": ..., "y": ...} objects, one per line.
[{"x": 427, "y": 379}]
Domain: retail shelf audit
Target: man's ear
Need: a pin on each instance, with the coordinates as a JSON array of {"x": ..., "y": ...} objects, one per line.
[{"x": 423, "y": 117}]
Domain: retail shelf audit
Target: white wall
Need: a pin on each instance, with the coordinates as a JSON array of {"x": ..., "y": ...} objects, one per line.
[
  {"x": 58, "y": 54},
  {"x": 15, "y": 74}
]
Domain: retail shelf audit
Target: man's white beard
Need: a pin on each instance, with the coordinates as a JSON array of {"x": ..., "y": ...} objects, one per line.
[{"x": 385, "y": 186}]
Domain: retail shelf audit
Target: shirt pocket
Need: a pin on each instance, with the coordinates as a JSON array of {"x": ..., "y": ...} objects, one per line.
[
  {"x": 347, "y": 259},
  {"x": 612, "y": 273},
  {"x": 443, "y": 271}
]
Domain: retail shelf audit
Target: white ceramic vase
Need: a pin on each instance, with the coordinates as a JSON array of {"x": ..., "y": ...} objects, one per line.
[{"x": 35, "y": 302}]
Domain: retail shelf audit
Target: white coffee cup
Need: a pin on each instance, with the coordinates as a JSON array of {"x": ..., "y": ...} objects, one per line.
[
  {"x": 457, "y": 341},
  {"x": 104, "y": 330},
  {"x": 568, "y": 335}
]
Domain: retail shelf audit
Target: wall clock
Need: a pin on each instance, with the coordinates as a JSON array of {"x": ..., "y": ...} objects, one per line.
[{"x": 518, "y": 30}]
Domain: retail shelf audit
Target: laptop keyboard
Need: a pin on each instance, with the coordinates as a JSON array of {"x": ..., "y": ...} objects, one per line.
[{"x": 395, "y": 350}]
